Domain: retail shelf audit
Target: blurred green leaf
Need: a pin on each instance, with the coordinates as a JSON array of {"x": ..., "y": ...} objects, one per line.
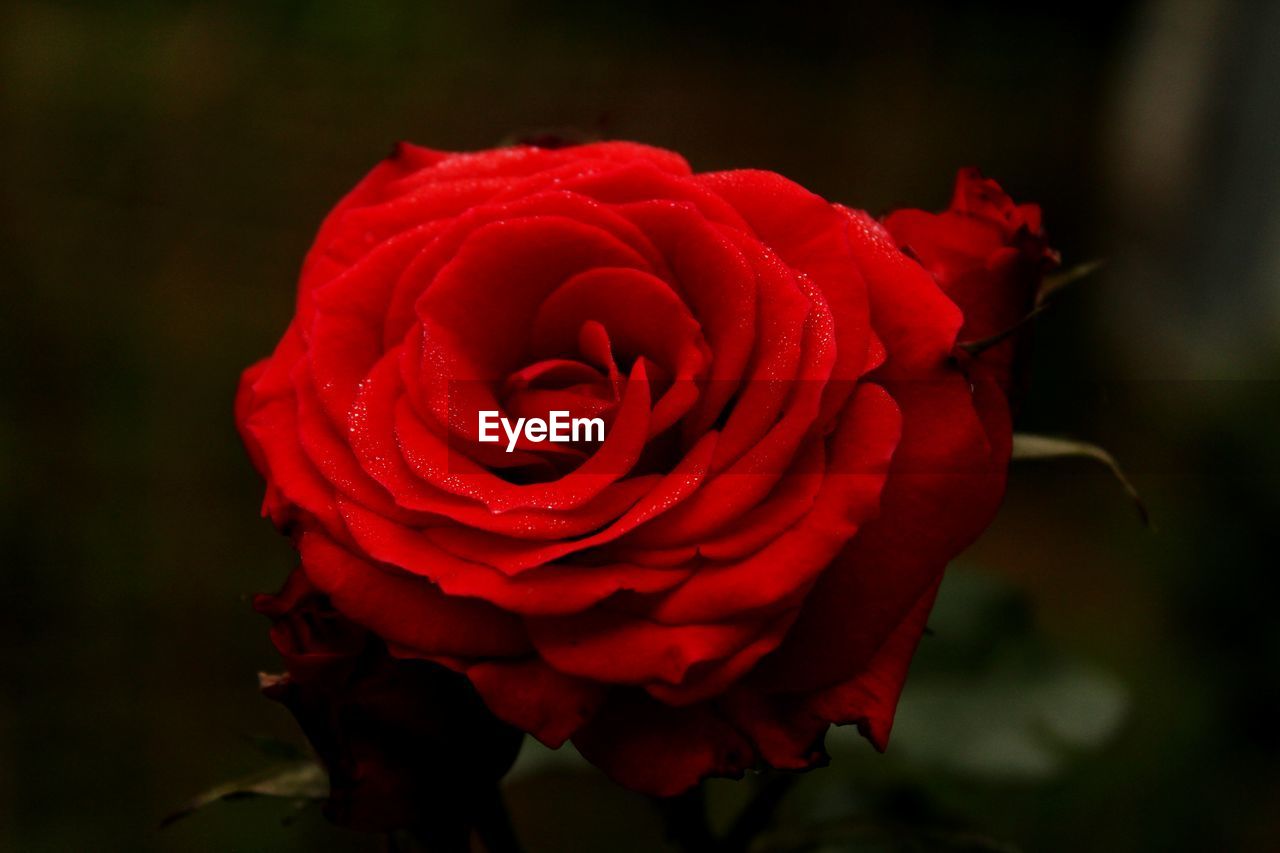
[
  {"x": 296, "y": 780},
  {"x": 1012, "y": 722},
  {"x": 868, "y": 836}
]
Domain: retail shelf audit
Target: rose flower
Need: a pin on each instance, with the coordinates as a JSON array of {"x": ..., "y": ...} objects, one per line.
[{"x": 795, "y": 445}]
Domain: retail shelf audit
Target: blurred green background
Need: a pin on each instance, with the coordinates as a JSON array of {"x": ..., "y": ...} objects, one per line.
[{"x": 1088, "y": 685}]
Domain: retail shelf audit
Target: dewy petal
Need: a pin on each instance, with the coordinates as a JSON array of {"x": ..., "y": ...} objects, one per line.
[
  {"x": 641, "y": 182},
  {"x": 787, "y": 567},
  {"x": 944, "y": 486},
  {"x": 267, "y": 417},
  {"x": 333, "y": 458},
  {"x": 945, "y": 483},
  {"x": 417, "y": 466},
  {"x": 611, "y": 645},
  {"x": 791, "y": 499},
  {"x": 322, "y": 263},
  {"x": 718, "y": 283},
  {"x": 503, "y": 272},
  {"x": 709, "y": 679},
  {"x": 454, "y": 473},
  {"x": 387, "y": 440},
  {"x": 915, "y": 321},
  {"x": 549, "y": 590},
  {"x": 448, "y": 239},
  {"x": 739, "y": 487},
  {"x": 779, "y": 367},
  {"x": 515, "y": 555},
  {"x": 643, "y": 315},
  {"x": 615, "y": 647},
  {"x": 407, "y": 610},
  {"x": 810, "y": 237}
]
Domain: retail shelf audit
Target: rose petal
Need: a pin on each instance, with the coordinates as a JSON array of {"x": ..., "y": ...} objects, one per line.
[{"x": 406, "y": 610}]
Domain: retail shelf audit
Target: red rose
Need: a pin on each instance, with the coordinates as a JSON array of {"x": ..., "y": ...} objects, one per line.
[
  {"x": 793, "y": 454},
  {"x": 986, "y": 253}
]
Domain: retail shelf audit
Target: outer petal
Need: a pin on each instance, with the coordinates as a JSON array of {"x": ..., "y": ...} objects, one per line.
[
  {"x": 535, "y": 698},
  {"x": 807, "y": 232},
  {"x": 408, "y": 611},
  {"x": 871, "y": 697},
  {"x": 659, "y": 750},
  {"x": 787, "y": 729},
  {"x": 944, "y": 486}
]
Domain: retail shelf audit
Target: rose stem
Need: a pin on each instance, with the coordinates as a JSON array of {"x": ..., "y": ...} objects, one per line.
[
  {"x": 493, "y": 825},
  {"x": 758, "y": 814},
  {"x": 685, "y": 816}
]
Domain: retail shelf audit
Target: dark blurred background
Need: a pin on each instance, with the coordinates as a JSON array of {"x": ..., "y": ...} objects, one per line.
[{"x": 164, "y": 166}]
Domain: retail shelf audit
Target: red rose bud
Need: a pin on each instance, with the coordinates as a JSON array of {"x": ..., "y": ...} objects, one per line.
[
  {"x": 791, "y": 455},
  {"x": 989, "y": 255},
  {"x": 406, "y": 743}
]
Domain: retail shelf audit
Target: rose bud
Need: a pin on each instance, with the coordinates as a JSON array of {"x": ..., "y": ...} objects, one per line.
[
  {"x": 793, "y": 451},
  {"x": 989, "y": 255}
]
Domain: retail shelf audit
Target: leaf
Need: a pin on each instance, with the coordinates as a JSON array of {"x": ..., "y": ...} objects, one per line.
[
  {"x": 295, "y": 780},
  {"x": 1053, "y": 283},
  {"x": 1028, "y": 446}
]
